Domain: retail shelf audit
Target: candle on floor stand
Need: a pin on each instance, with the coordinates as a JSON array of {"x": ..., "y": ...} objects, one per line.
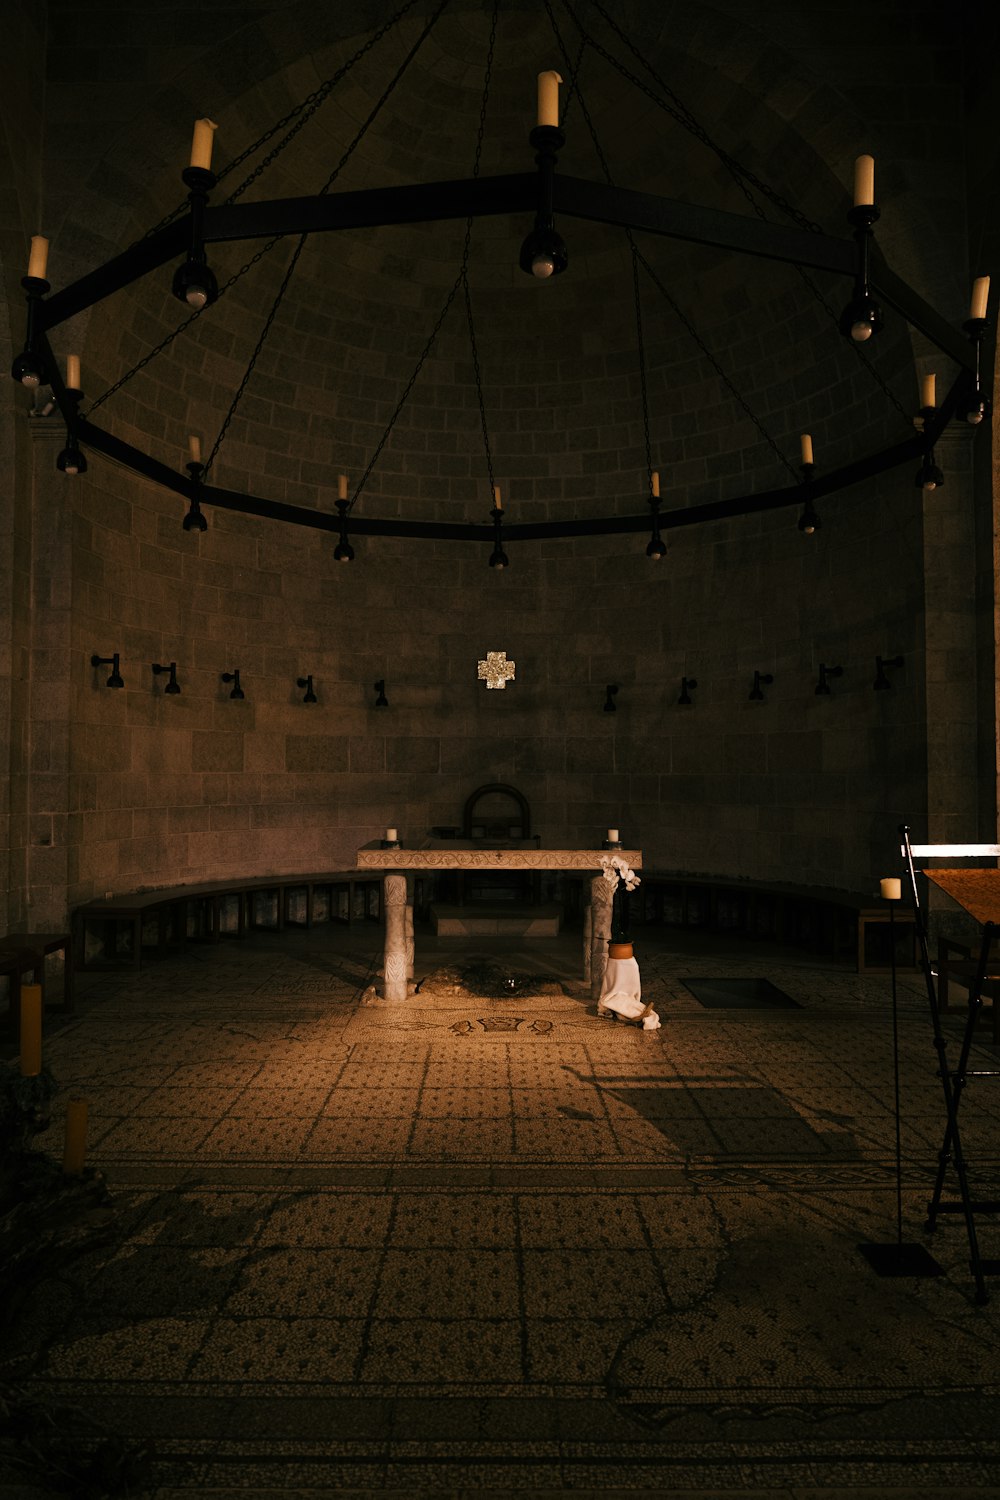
[
  {"x": 75, "y": 1148},
  {"x": 612, "y": 835},
  {"x": 31, "y": 1030},
  {"x": 391, "y": 835},
  {"x": 892, "y": 890}
]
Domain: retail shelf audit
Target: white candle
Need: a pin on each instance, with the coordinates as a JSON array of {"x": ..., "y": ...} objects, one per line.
[
  {"x": 548, "y": 98},
  {"x": 806, "y": 443},
  {"x": 928, "y": 391},
  {"x": 342, "y": 487},
  {"x": 654, "y": 483},
  {"x": 497, "y": 502},
  {"x": 980, "y": 296},
  {"x": 38, "y": 257},
  {"x": 72, "y": 372},
  {"x": 201, "y": 144},
  {"x": 392, "y": 835},
  {"x": 194, "y": 449},
  {"x": 891, "y": 890},
  {"x": 612, "y": 835},
  {"x": 864, "y": 181}
]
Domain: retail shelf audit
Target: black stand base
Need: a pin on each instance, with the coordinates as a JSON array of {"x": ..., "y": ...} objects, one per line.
[{"x": 901, "y": 1260}]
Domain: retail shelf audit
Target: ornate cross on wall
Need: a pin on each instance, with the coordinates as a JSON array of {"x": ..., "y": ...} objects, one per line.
[{"x": 496, "y": 670}]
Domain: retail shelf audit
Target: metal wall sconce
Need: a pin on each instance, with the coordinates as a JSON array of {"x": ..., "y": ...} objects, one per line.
[
  {"x": 686, "y": 684},
  {"x": 381, "y": 701},
  {"x": 115, "y": 680},
  {"x": 307, "y": 683},
  {"x": 823, "y": 687},
  {"x": 610, "y": 706},
  {"x": 760, "y": 679},
  {"x": 234, "y": 678},
  {"x": 173, "y": 686},
  {"x": 882, "y": 683}
]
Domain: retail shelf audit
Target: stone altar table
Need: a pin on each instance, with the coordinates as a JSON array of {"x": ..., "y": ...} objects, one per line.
[{"x": 472, "y": 854}]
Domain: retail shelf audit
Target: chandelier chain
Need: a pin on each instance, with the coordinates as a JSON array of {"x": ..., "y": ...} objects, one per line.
[
  {"x": 466, "y": 250},
  {"x": 740, "y": 174},
  {"x": 269, "y": 245},
  {"x": 424, "y": 353},
  {"x": 642, "y": 365},
  {"x": 639, "y": 258}
]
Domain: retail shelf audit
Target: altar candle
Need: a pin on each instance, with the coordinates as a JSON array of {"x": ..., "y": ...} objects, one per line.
[
  {"x": 807, "y": 448},
  {"x": 72, "y": 372},
  {"x": 497, "y": 502},
  {"x": 75, "y": 1147},
  {"x": 201, "y": 144},
  {"x": 928, "y": 391},
  {"x": 342, "y": 487},
  {"x": 612, "y": 835},
  {"x": 654, "y": 483},
  {"x": 31, "y": 1030},
  {"x": 548, "y": 98},
  {"x": 891, "y": 890},
  {"x": 392, "y": 835},
  {"x": 980, "y": 296},
  {"x": 864, "y": 181},
  {"x": 38, "y": 257},
  {"x": 194, "y": 449}
]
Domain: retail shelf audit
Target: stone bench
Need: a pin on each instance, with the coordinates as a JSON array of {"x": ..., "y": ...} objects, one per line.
[
  {"x": 832, "y": 923},
  {"x": 111, "y": 933}
]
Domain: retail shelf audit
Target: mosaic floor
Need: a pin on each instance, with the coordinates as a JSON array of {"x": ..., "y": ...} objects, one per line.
[{"x": 505, "y": 1246}]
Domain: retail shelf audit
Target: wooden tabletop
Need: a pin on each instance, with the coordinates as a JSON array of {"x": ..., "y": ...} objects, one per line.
[{"x": 978, "y": 891}]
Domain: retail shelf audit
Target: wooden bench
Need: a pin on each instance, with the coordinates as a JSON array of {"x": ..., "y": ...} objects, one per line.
[
  {"x": 23, "y": 954},
  {"x": 112, "y": 933}
]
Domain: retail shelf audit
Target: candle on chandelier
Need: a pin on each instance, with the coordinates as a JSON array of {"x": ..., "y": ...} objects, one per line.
[
  {"x": 928, "y": 391},
  {"x": 806, "y": 444},
  {"x": 548, "y": 98},
  {"x": 75, "y": 1145},
  {"x": 201, "y": 144},
  {"x": 38, "y": 257},
  {"x": 31, "y": 1030},
  {"x": 980, "y": 297},
  {"x": 654, "y": 483},
  {"x": 864, "y": 182},
  {"x": 342, "y": 487},
  {"x": 194, "y": 449},
  {"x": 497, "y": 502},
  {"x": 891, "y": 890},
  {"x": 72, "y": 372}
]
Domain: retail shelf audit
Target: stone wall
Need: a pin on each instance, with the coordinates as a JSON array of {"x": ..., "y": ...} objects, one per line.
[{"x": 134, "y": 788}]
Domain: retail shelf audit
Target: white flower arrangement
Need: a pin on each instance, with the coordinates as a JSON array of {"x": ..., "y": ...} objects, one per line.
[{"x": 615, "y": 869}]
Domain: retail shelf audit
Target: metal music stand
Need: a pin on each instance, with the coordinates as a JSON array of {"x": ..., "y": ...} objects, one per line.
[
  {"x": 898, "y": 1259},
  {"x": 977, "y": 891}
]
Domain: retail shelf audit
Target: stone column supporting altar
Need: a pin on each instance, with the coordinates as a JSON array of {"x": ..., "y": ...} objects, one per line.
[
  {"x": 601, "y": 896},
  {"x": 410, "y": 944},
  {"x": 394, "y": 895}
]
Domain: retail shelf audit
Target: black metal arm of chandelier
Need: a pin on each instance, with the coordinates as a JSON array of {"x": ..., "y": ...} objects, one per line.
[{"x": 575, "y": 197}]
